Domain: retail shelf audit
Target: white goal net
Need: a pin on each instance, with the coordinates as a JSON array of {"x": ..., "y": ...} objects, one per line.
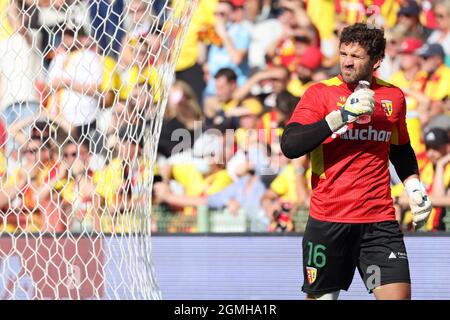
[{"x": 83, "y": 88}]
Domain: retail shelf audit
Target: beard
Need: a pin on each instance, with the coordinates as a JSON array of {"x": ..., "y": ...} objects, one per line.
[{"x": 356, "y": 75}]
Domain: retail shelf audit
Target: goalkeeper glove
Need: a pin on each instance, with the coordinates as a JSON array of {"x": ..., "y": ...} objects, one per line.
[
  {"x": 419, "y": 202},
  {"x": 359, "y": 103}
]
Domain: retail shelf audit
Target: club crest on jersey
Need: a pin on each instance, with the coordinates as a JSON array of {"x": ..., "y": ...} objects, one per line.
[
  {"x": 387, "y": 107},
  {"x": 312, "y": 274}
]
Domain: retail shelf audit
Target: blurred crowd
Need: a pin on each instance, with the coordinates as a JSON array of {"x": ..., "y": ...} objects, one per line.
[{"x": 82, "y": 82}]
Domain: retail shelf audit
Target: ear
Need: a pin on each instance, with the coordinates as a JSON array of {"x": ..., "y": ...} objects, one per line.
[{"x": 377, "y": 64}]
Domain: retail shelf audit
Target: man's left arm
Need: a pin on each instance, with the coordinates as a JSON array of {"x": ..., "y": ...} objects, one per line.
[{"x": 404, "y": 160}]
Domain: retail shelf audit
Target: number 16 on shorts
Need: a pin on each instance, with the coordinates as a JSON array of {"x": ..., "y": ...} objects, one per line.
[{"x": 316, "y": 260}]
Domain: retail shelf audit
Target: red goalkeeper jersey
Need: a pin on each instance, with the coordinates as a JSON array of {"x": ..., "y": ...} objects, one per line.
[{"x": 350, "y": 170}]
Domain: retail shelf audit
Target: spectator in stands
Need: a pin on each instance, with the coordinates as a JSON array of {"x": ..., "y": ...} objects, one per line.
[
  {"x": 232, "y": 50},
  {"x": 242, "y": 197},
  {"x": 391, "y": 61},
  {"x": 238, "y": 13},
  {"x": 19, "y": 69},
  {"x": 248, "y": 113},
  {"x": 431, "y": 162},
  {"x": 435, "y": 75},
  {"x": 139, "y": 19},
  {"x": 300, "y": 33},
  {"x": 288, "y": 190},
  {"x": 274, "y": 120},
  {"x": 406, "y": 79},
  {"x": 143, "y": 64},
  {"x": 250, "y": 142},
  {"x": 182, "y": 113},
  {"x": 43, "y": 126},
  {"x": 408, "y": 21},
  {"x": 137, "y": 22},
  {"x": 200, "y": 171},
  {"x": 10, "y": 189},
  {"x": 216, "y": 107},
  {"x": 119, "y": 183},
  {"x": 266, "y": 83},
  {"x": 306, "y": 64},
  {"x": 442, "y": 34},
  {"x": 428, "y": 108},
  {"x": 126, "y": 112},
  {"x": 441, "y": 184},
  {"x": 189, "y": 67},
  {"x": 302, "y": 19},
  {"x": 34, "y": 208},
  {"x": 81, "y": 83},
  {"x": 265, "y": 33},
  {"x": 77, "y": 189}
]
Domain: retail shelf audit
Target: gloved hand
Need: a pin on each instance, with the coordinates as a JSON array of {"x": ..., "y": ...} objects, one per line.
[
  {"x": 419, "y": 202},
  {"x": 359, "y": 103}
]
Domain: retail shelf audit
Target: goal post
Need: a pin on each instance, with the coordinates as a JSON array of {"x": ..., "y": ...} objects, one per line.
[{"x": 83, "y": 90}]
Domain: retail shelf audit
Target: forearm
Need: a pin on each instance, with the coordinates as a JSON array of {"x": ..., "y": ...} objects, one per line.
[
  {"x": 404, "y": 160},
  {"x": 185, "y": 201},
  {"x": 4, "y": 198},
  {"x": 7, "y": 194},
  {"x": 86, "y": 89},
  {"x": 18, "y": 126},
  {"x": 302, "y": 18},
  {"x": 268, "y": 198},
  {"x": 61, "y": 121},
  {"x": 440, "y": 201},
  {"x": 244, "y": 90},
  {"x": 235, "y": 54},
  {"x": 298, "y": 140},
  {"x": 43, "y": 192}
]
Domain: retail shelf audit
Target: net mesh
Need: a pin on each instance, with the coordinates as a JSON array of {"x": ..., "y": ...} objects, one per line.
[{"x": 83, "y": 89}]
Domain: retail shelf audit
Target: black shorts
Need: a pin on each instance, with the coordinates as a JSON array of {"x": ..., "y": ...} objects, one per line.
[{"x": 333, "y": 250}]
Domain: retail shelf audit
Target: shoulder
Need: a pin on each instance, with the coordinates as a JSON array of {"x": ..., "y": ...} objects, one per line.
[
  {"x": 332, "y": 82},
  {"x": 389, "y": 89},
  {"x": 444, "y": 71},
  {"x": 384, "y": 84},
  {"x": 322, "y": 86}
]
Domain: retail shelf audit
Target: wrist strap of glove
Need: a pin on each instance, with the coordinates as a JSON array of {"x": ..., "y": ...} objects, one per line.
[
  {"x": 335, "y": 120},
  {"x": 413, "y": 185}
]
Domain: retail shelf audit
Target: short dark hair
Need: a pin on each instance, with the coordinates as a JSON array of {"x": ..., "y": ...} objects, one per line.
[
  {"x": 367, "y": 36},
  {"x": 228, "y": 73}
]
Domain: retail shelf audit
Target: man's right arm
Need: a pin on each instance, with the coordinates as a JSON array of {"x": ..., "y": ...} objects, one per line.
[
  {"x": 310, "y": 123},
  {"x": 307, "y": 127},
  {"x": 298, "y": 139}
]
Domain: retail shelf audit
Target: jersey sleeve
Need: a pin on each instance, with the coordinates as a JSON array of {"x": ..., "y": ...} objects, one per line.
[
  {"x": 400, "y": 131},
  {"x": 310, "y": 108}
]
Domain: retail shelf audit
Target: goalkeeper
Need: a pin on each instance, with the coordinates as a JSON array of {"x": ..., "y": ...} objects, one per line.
[{"x": 352, "y": 221}]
